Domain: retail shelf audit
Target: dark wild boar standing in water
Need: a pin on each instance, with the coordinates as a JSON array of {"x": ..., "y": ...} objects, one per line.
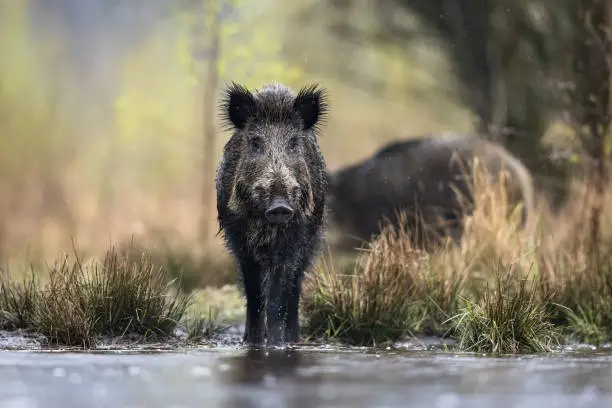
[
  {"x": 271, "y": 188},
  {"x": 420, "y": 176}
]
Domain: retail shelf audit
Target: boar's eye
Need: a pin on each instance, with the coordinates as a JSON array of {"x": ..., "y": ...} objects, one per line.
[
  {"x": 293, "y": 144},
  {"x": 256, "y": 144}
]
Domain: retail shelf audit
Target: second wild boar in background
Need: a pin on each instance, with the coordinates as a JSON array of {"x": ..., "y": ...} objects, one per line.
[{"x": 420, "y": 177}]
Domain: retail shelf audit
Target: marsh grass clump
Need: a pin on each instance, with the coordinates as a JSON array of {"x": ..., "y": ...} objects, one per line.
[
  {"x": 391, "y": 291},
  {"x": 128, "y": 296},
  {"x": 61, "y": 313},
  {"x": 581, "y": 288},
  {"x": 81, "y": 303},
  {"x": 449, "y": 289},
  {"x": 586, "y": 325},
  {"x": 576, "y": 271},
  {"x": 510, "y": 317},
  {"x": 18, "y": 301}
]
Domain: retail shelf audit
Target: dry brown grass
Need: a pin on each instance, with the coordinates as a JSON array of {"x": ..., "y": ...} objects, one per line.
[
  {"x": 576, "y": 275},
  {"x": 507, "y": 288},
  {"x": 391, "y": 291},
  {"x": 81, "y": 302}
]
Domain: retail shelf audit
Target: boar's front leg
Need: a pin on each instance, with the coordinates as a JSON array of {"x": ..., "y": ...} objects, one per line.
[
  {"x": 275, "y": 308},
  {"x": 292, "y": 300},
  {"x": 251, "y": 276}
]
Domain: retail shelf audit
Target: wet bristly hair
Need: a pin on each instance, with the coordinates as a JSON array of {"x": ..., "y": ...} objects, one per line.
[
  {"x": 274, "y": 103},
  {"x": 274, "y": 116},
  {"x": 272, "y": 156}
]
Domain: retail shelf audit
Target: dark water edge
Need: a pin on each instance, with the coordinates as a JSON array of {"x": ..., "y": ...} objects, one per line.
[{"x": 21, "y": 340}]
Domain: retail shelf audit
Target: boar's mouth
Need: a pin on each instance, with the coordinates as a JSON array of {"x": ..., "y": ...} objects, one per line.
[{"x": 279, "y": 212}]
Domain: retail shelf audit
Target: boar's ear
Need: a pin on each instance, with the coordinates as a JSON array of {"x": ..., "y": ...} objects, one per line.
[
  {"x": 310, "y": 103},
  {"x": 237, "y": 105}
]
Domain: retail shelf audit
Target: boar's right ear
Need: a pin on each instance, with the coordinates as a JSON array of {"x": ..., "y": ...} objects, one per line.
[
  {"x": 237, "y": 105},
  {"x": 311, "y": 105}
]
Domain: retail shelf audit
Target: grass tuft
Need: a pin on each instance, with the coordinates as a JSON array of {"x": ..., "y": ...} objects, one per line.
[
  {"x": 510, "y": 318},
  {"x": 132, "y": 296},
  {"x": 582, "y": 284},
  {"x": 587, "y": 325},
  {"x": 79, "y": 304},
  {"x": 448, "y": 290},
  {"x": 391, "y": 291},
  {"x": 18, "y": 301}
]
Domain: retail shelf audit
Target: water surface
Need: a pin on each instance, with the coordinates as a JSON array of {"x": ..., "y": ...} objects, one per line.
[{"x": 308, "y": 378}]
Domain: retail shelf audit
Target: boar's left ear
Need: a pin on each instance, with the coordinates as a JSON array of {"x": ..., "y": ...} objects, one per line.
[
  {"x": 237, "y": 105},
  {"x": 310, "y": 103}
]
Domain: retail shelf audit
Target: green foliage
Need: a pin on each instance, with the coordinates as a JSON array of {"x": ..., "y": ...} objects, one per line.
[
  {"x": 250, "y": 47},
  {"x": 158, "y": 112},
  {"x": 154, "y": 115},
  {"x": 587, "y": 325},
  {"x": 24, "y": 110}
]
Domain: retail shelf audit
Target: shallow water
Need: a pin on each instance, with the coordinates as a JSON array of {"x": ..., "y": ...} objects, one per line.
[{"x": 236, "y": 377}]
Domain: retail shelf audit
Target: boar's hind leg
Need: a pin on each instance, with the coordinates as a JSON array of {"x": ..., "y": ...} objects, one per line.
[
  {"x": 254, "y": 330},
  {"x": 275, "y": 313},
  {"x": 292, "y": 301}
]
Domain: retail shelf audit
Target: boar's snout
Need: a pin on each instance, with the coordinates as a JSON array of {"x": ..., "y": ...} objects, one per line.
[{"x": 279, "y": 212}]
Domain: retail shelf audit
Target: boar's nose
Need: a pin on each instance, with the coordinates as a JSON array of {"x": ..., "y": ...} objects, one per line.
[{"x": 280, "y": 212}]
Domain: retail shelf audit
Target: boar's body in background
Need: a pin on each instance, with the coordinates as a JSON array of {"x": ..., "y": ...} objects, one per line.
[
  {"x": 420, "y": 176},
  {"x": 271, "y": 185}
]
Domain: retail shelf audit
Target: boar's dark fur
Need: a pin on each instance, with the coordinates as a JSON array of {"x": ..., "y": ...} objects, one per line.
[
  {"x": 271, "y": 200},
  {"x": 418, "y": 176}
]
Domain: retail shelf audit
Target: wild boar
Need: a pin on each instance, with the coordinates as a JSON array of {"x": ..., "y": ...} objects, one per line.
[
  {"x": 421, "y": 177},
  {"x": 271, "y": 200}
]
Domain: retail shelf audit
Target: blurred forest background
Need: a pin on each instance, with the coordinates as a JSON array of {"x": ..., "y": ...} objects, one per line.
[{"x": 108, "y": 108}]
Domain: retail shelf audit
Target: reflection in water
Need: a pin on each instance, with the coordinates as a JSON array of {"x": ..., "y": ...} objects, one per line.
[{"x": 269, "y": 378}]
